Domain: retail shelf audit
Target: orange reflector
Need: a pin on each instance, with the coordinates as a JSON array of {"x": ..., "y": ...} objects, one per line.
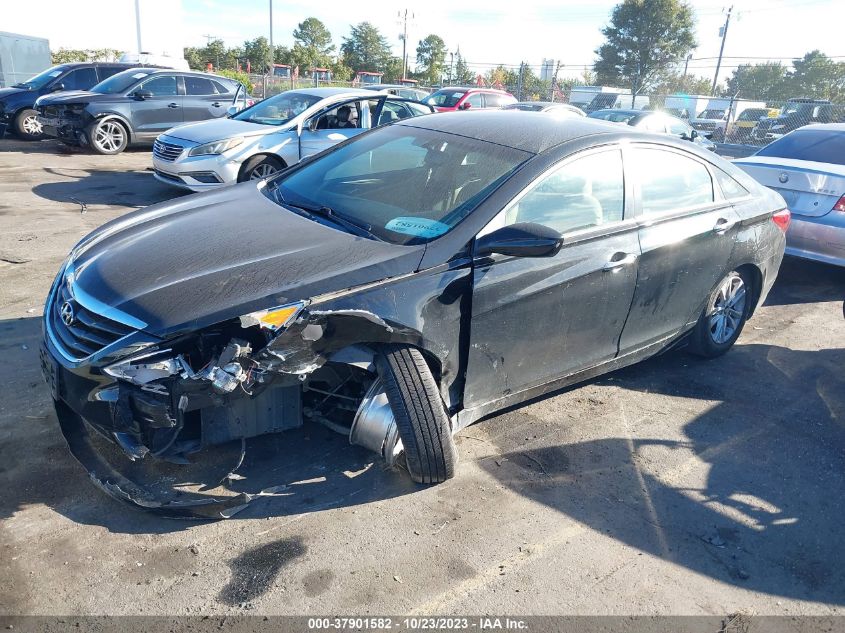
[{"x": 278, "y": 318}]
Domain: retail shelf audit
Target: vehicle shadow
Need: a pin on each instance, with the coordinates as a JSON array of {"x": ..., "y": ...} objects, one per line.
[
  {"x": 304, "y": 470},
  {"x": 805, "y": 281},
  {"x": 134, "y": 188},
  {"x": 751, "y": 496},
  {"x": 11, "y": 143}
]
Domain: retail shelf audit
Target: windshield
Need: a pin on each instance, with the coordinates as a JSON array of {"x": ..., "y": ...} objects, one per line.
[
  {"x": 407, "y": 185},
  {"x": 813, "y": 145},
  {"x": 712, "y": 113},
  {"x": 752, "y": 115},
  {"x": 121, "y": 82},
  {"x": 615, "y": 116},
  {"x": 446, "y": 98},
  {"x": 278, "y": 110},
  {"x": 41, "y": 79}
]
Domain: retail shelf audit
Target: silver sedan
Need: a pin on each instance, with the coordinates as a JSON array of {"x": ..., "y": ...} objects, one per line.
[{"x": 807, "y": 167}]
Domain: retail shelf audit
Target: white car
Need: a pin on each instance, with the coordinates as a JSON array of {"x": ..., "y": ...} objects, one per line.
[{"x": 271, "y": 135}]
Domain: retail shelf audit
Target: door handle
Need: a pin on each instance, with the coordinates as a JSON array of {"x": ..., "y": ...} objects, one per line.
[
  {"x": 723, "y": 225},
  {"x": 619, "y": 261},
  {"x": 172, "y": 105},
  {"x": 216, "y": 104}
]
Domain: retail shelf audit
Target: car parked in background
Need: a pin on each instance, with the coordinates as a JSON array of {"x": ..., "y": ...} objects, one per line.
[
  {"x": 398, "y": 288},
  {"x": 741, "y": 129},
  {"x": 17, "y": 103},
  {"x": 272, "y": 134},
  {"x": 797, "y": 113},
  {"x": 707, "y": 120},
  {"x": 553, "y": 107},
  {"x": 399, "y": 90},
  {"x": 135, "y": 106},
  {"x": 455, "y": 98},
  {"x": 655, "y": 121},
  {"x": 807, "y": 168}
]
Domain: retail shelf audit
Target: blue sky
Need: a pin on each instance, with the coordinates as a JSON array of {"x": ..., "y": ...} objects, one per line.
[{"x": 488, "y": 32}]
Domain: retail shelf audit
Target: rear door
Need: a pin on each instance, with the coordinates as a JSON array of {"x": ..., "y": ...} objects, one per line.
[
  {"x": 337, "y": 123},
  {"x": 202, "y": 101},
  {"x": 161, "y": 110},
  {"x": 686, "y": 234},
  {"x": 536, "y": 319}
]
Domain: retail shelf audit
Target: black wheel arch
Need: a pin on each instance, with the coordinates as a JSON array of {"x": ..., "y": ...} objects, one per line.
[{"x": 262, "y": 155}]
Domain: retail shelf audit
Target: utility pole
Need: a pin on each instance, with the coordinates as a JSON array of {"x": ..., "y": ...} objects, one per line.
[
  {"x": 686, "y": 65},
  {"x": 272, "y": 50},
  {"x": 519, "y": 83},
  {"x": 451, "y": 62},
  {"x": 138, "y": 26},
  {"x": 721, "y": 50},
  {"x": 403, "y": 17},
  {"x": 554, "y": 80}
]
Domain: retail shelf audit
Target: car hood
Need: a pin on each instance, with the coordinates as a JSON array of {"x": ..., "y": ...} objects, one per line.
[
  {"x": 217, "y": 129},
  {"x": 209, "y": 257},
  {"x": 77, "y": 96},
  {"x": 8, "y": 92}
]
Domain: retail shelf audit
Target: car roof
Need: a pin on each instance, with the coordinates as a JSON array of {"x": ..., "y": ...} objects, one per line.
[
  {"x": 825, "y": 127},
  {"x": 331, "y": 92},
  {"x": 474, "y": 88},
  {"x": 624, "y": 111},
  {"x": 526, "y": 131}
]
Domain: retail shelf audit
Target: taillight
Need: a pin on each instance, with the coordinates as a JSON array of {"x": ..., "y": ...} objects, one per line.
[
  {"x": 840, "y": 205},
  {"x": 781, "y": 218}
]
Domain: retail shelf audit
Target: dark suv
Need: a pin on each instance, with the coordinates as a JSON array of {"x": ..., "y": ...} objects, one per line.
[
  {"x": 797, "y": 113},
  {"x": 17, "y": 102},
  {"x": 135, "y": 106}
]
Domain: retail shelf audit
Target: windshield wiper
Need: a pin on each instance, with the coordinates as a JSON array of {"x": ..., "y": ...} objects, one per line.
[{"x": 354, "y": 226}]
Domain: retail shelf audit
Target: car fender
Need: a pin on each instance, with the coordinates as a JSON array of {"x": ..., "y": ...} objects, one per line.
[{"x": 103, "y": 116}]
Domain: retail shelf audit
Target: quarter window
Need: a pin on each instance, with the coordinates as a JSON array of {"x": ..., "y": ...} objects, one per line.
[
  {"x": 730, "y": 187},
  {"x": 670, "y": 181},
  {"x": 585, "y": 192}
]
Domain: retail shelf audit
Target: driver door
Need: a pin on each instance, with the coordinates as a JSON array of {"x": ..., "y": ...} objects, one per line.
[
  {"x": 537, "y": 319},
  {"x": 328, "y": 127},
  {"x": 161, "y": 110}
]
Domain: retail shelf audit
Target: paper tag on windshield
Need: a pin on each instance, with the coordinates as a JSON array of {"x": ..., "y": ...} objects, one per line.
[
  {"x": 139, "y": 75},
  {"x": 418, "y": 227},
  {"x": 55, "y": 73}
]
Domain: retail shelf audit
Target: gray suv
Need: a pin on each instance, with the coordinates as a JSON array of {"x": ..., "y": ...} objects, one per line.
[{"x": 135, "y": 106}]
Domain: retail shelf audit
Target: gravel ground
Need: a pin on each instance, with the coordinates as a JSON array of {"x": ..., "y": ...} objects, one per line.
[{"x": 677, "y": 486}]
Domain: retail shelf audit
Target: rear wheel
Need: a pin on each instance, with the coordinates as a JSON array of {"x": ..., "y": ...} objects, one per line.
[
  {"x": 421, "y": 419},
  {"x": 27, "y": 125},
  {"x": 260, "y": 167},
  {"x": 721, "y": 323},
  {"x": 108, "y": 137}
]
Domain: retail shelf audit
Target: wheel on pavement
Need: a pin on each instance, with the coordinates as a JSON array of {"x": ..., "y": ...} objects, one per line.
[
  {"x": 107, "y": 136},
  {"x": 421, "y": 418},
  {"x": 261, "y": 167},
  {"x": 27, "y": 125},
  {"x": 727, "y": 310}
]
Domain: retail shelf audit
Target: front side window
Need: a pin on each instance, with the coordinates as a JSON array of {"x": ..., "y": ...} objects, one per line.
[
  {"x": 678, "y": 128},
  {"x": 349, "y": 115},
  {"x": 475, "y": 100},
  {"x": 583, "y": 193},
  {"x": 408, "y": 185},
  {"x": 670, "y": 181},
  {"x": 446, "y": 98},
  {"x": 653, "y": 124},
  {"x": 161, "y": 86}
]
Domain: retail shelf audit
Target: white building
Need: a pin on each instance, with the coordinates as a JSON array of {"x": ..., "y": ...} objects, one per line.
[{"x": 547, "y": 70}]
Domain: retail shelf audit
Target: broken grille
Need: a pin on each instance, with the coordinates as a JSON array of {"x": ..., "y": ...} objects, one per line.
[
  {"x": 166, "y": 151},
  {"x": 79, "y": 330}
]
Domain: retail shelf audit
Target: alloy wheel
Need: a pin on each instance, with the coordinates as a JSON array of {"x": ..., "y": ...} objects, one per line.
[
  {"x": 727, "y": 309},
  {"x": 109, "y": 136},
  {"x": 262, "y": 171},
  {"x": 31, "y": 125}
]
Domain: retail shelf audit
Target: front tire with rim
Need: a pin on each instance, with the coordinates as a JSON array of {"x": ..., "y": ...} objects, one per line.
[
  {"x": 27, "y": 125},
  {"x": 260, "y": 167},
  {"x": 727, "y": 310},
  {"x": 107, "y": 136}
]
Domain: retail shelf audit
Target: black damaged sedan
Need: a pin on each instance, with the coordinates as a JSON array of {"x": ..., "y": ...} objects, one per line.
[{"x": 398, "y": 288}]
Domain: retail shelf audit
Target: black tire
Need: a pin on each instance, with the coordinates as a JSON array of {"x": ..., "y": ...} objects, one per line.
[
  {"x": 421, "y": 419},
  {"x": 705, "y": 339},
  {"x": 266, "y": 164},
  {"x": 107, "y": 136},
  {"x": 26, "y": 125}
]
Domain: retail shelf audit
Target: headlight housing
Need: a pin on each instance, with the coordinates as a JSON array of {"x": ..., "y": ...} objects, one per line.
[
  {"x": 275, "y": 318},
  {"x": 216, "y": 147}
]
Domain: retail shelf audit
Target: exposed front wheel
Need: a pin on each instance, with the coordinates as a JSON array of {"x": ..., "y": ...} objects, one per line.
[
  {"x": 721, "y": 323},
  {"x": 27, "y": 125},
  {"x": 260, "y": 167},
  {"x": 108, "y": 137},
  {"x": 421, "y": 419}
]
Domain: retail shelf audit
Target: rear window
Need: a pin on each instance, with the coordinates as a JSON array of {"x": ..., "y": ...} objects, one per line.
[{"x": 821, "y": 146}]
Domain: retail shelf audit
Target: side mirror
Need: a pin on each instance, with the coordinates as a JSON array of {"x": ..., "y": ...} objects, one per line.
[
  {"x": 524, "y": 239},
  {"x": 57, "y": 87},
  {"x": 231, "y": 111},
  {"x": 707, "y": 135},
  {"x": 142, "y": 94},
  {"x": 466, "y": 105}
]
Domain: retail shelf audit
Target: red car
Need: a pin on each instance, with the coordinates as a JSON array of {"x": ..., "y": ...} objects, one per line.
[{"x": 455, "y": 98}]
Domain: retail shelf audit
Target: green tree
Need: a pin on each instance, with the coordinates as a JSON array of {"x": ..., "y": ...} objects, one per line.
[
  {"x": 431, "y": 54},
  {"x": 686, "y": 84},
  {"x": 67, "y": 55},
  {"x": 645, "y": 38},
  {"x": 767, "y": 82},
  {"x": 257, "y": 51},
  {"x": 313, "y": 43},
  {"x": 392, "y": 70},
  {"x": 816, "y": 75},
  {"x": 462, "y": 74},
  {"x": 501, "y": 75},
  {"x": 365, "y": 48}
]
